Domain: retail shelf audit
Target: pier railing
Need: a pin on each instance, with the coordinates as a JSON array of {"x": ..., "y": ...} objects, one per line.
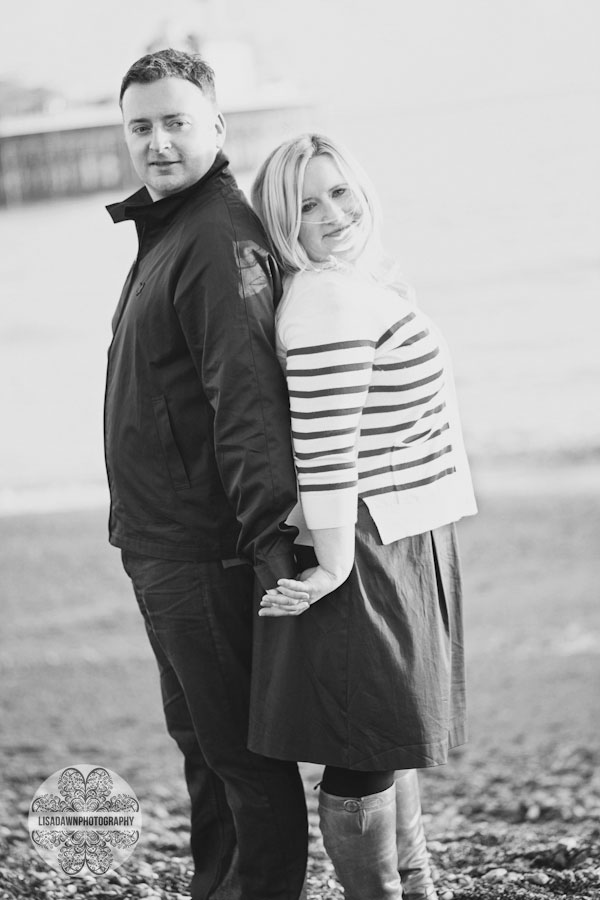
[{"x": 43, "y": 157}]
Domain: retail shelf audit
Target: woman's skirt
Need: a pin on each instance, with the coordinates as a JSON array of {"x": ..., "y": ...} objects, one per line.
[{"x": 371, "y": 677}]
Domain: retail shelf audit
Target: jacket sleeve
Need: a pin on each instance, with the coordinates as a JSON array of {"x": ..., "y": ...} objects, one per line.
[{"x": 225, "y": 304}]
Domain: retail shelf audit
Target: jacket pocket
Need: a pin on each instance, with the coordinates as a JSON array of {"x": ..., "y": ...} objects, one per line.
[{"x": 170, "y": 449}]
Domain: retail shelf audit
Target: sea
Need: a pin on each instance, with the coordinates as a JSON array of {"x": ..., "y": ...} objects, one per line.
[{"x": 491, "y": 204}]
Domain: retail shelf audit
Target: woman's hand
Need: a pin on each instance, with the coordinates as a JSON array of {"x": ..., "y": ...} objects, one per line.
[{"x": 292, "y": 596}]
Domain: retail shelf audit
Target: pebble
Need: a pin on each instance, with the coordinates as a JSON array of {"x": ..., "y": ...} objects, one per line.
[
  {"x": 495, "y": 875},
  {"x": 569, "y": 843},
  {"x": 447, "y": 895},
  {"x": 436, "y": 846},
  {"x": 145, "y": 870},
  {"x": 539, "y": 878},
  {"x": 560, "y": 859},
  {"x": 533, "y": 813}
]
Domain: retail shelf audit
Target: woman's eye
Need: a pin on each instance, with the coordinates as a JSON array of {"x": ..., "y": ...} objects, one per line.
[
  {"x": 308, "y": 207},
  {"x": 339, "y": 192}
]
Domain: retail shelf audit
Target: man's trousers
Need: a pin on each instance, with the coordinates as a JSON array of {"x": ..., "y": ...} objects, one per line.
[{"x": 248, "y": 812}]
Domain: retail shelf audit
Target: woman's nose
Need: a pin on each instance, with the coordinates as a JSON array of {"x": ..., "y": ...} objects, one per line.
[{"x": 334, "y": 210}]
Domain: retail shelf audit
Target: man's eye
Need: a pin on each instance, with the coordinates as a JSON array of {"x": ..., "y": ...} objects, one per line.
[
  {"x": 140, "y": 129},
  {"x": 177, "y": 123}
]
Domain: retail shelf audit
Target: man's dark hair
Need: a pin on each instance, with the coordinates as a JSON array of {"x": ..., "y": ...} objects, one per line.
[{"x": 171, "y": 63}]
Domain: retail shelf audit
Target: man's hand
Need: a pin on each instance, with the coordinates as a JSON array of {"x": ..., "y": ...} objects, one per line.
[{"x": 292, "y": 597}]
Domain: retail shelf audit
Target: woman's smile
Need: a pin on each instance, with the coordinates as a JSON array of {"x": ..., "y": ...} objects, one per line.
[{"x": 329, "y": 215}]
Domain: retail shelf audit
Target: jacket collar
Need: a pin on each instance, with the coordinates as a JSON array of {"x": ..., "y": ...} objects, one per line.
[{"x": 141, "y": 206}]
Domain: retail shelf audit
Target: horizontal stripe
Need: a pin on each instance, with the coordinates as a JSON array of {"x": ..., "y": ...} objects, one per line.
[
  {"x": 327, "y": 370},
  {"x": 325, "y": 413},
  {"x": 394, "y": 328},
  {"x": 329, "y": 392},
  {"x": 399, "y": 467},
  {"x": 315, "y": 435},
  {"x": 319, "y": 453},
  {"x": 399, "y": 406},
  {"x": 407, "y": 364},
  {"x": 328, "y": 487},
  {"x": 415, "y": 437},
  {"x": 409, "y": 485},
  {"x": 412, "y": 340},
  {"x": 404, "y": 426},
  {"x": 374, "y": 388},
  {"x": 333, "y": 467},
  {"x": 379, "y": 451},
  {"x": 430, "y": 437},
  {"x": 376, "y": 451},
  {"x": 325, "y": 348}
]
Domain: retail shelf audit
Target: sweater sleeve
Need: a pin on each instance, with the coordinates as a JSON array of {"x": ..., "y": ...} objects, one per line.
[{"x": 328, "y": 334}]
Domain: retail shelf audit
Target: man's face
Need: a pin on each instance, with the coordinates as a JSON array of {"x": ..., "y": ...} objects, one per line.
[{"x": 172, "y": 132}]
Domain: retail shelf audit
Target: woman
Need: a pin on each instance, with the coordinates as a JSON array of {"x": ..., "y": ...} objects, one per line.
[{"x": 359, "y": 662}]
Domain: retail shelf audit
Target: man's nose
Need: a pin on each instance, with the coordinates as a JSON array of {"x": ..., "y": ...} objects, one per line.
[{"x": 159, "y": 139}]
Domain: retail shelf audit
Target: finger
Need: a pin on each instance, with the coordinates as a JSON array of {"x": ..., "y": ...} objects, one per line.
[
  {"x": 271, "y": 595},
  {"x": 283, "y": 604},
  {"x": 298, "y": 593},
  {"x": 277, "y": 611},
  {"x": 278, "y": 593},
  {"x": 293, "y": 584}
]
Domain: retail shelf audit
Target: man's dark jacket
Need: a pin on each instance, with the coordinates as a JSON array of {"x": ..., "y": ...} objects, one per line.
[{"x": 197, "y": 435}]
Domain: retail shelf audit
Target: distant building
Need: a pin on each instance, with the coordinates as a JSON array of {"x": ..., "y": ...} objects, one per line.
[
  {"x": 56, "y": 151},
  {"x": 82, "y": 150}
]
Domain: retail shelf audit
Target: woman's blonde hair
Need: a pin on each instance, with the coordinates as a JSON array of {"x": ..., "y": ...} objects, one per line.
[{"x": 277, "y": 196}]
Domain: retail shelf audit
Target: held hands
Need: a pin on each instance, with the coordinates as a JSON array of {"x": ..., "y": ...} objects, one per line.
[{"x": 292, "y": 597}]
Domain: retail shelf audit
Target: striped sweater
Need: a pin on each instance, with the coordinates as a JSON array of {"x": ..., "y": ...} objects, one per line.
[{"x": 373, "y": 408}]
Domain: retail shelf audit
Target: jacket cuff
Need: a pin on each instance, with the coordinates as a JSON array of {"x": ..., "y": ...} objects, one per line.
[{"x": 282, "y": 565}]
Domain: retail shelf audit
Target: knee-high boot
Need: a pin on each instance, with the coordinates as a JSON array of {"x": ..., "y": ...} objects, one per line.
[
  {"x": 360, "y": 837},
  {"x": 413, "y": 858}
]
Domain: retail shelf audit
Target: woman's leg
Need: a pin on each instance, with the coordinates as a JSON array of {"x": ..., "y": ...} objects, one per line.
[
  {"x": 357, "y": 813},
  {"x": 358, "y": 827},
  {"x": 413, "y": 858}
]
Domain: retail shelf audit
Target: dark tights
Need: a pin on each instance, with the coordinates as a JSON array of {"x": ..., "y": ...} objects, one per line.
[{"x": 349, "y": 783}]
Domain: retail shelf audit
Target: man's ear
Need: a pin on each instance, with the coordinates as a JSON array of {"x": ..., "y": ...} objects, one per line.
[{"x": 221, "y": 129}]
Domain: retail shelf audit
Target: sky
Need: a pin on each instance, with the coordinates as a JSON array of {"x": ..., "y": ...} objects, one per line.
[{"x": 383, "y": 51}]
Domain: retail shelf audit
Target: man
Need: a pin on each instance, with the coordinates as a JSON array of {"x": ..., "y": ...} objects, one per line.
[{"x": 200, "y": 470}]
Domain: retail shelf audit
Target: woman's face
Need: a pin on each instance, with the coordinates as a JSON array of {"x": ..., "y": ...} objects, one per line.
[{"x": 330, "y": 213}]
